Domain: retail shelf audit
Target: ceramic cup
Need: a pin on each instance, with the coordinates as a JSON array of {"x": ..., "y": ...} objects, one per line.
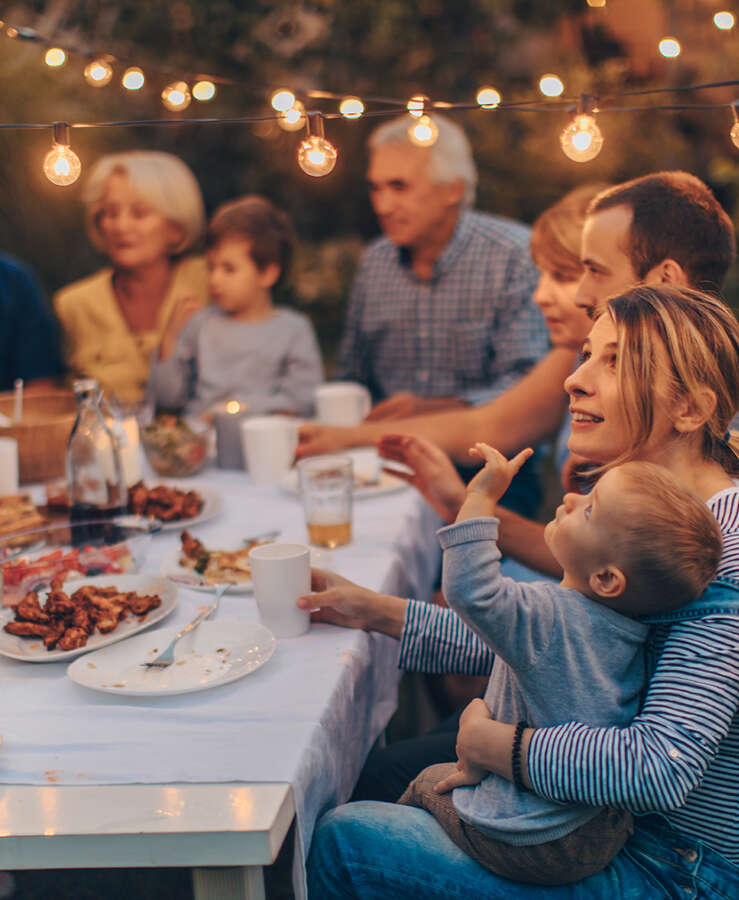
[
  {"x": 281, "y": 574},
  {"x": 342, "y": 403},
  {"x": 8, "y": 466},
  {"x": 269, "y": 444}
]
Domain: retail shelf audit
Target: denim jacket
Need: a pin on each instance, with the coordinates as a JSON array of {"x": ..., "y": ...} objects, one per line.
[{"x": 721, "y": 597}]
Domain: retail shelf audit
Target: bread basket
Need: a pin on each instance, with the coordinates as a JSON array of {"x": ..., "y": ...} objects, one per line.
[{"x": 42, "y": 432}]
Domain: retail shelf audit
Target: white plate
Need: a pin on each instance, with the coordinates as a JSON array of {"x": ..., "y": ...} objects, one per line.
[
  {"x": 214, "y": 653},
  {"x": 212, "y": 505},
  {"x": 170, "y": 565},
  {"x": 33, "y": 650},
  {"x": 386, "y": 484}
]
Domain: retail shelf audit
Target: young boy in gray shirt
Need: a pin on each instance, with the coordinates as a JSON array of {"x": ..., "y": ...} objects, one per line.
[{"x": 637, "y": 545}]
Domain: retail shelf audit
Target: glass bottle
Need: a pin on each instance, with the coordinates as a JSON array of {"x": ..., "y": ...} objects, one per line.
[{"x": 95, "y": 482}]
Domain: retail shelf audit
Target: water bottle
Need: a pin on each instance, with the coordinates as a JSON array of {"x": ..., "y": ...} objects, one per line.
[{"x": 95, "y": 481}]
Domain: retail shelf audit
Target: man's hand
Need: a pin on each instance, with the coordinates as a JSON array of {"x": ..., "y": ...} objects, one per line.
[
  {"x": 405, "y": 404},
  {"x": 341, "y": 602},
  {"x": 314, "y": 439},
  {"x": 467, "y": 772},
  {"x": 491, "y": 482},
  {"x": 433, "y": 472},
  {"x": 183, "y": 310}
]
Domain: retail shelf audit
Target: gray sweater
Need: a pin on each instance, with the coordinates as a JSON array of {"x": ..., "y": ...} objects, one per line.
[
  {"x": 560, "y": 657},
  {"x": 271, "y": 366}
]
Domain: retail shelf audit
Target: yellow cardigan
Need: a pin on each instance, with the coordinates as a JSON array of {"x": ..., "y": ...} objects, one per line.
[{"x": 98, "y": 342}]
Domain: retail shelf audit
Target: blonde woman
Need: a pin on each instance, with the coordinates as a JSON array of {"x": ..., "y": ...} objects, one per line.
[
  {"x": 144, "y": 211},
  {"x": 659, "y": 382}
]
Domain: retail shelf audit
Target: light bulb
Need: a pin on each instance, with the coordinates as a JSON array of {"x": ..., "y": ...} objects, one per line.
[
  {"x": 203, "y": 91},
  {"x": 724, "y": 21},
  {"x": 55, "y": 57},
  {"x": 98, "y": 73},
  {"x": 292, "y": 119},
  {"x": 670, "y": 47},
  {"x": 488, "y": 97},
  {"x": 176, "y": 96},
  {"x": 416, "y": 105},
  {"x": 424, "y": 132},
  {"x": 316, "y": 156},
  {"x": 62, "y": 165},
  {"x": 133, "y": 79},
  {"x": 551, "y": 85},
  {"x": 596, "y": 3},
  {"x": 351, "y": 107},
  {"x": 581, "y": 140},
  {"x": 734, "y": 134},
  {"x": 282, "y": 100}
]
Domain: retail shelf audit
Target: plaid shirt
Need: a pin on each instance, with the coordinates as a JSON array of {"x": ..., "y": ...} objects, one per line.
[{"x": 471, "y": 331}]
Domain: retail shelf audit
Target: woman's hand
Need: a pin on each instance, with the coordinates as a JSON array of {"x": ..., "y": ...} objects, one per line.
[
  {"x": 341, "y": 602},
  {"x": 183, "y": 310},
  {"x": 404, "y": 404},
  {"x": 468, "y": 772},
  {"x": 433, "y": 475}
]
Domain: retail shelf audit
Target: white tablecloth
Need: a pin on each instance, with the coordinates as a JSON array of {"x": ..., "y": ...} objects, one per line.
[{"x": 308, "y": 717}]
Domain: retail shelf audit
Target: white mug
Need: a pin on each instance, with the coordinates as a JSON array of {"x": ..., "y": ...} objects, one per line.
[
  {"x": 8, "y": 465},
  {"x": 281, "y": 574},
  {"x": 269, "y": 444},
  {"x": 342, "y": 403}
]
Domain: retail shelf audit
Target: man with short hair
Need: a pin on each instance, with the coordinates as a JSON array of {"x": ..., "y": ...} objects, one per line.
[{"x": 441, "y": 311}]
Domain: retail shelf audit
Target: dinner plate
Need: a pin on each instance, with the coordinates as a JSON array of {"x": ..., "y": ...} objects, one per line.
[
  {"x": 33, "y": 650},
  {"x": 385, "y": 484},
  {"x": 212, "y": 505},
  {"x": 214, "y": 653},
  {"x": 170, "y": 565}
]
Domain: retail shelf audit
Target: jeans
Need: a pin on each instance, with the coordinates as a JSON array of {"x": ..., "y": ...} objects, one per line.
[{"x": 379, "y": 850}]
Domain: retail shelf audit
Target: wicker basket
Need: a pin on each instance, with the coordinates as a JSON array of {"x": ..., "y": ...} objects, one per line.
[{"x": 41, "y": 434}]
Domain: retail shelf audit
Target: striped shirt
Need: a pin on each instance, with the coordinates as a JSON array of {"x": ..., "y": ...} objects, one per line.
[
  {"x": 679, "y": 756},
  {"x": 471, "y": 331}
]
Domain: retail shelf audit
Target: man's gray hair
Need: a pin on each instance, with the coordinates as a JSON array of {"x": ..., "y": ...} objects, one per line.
[{"x": 450, "y": 157}]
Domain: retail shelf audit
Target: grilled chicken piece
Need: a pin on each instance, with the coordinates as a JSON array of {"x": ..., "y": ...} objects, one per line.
[
  {"x": 29, "y": 610},
  {"x": 73, "y": 638}
]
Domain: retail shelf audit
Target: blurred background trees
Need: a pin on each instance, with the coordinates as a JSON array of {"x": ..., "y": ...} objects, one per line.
[{"x": 386, "y": 48}]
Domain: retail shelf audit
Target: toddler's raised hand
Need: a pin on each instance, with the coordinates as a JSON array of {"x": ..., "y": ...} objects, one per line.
[{"x": 491, "y": 482}]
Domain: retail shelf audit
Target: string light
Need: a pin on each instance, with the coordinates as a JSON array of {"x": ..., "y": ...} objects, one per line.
[
  {"x": 133, "y": 79},
  {"x": 204, "y": 90},
  {"x": 734, "y": 133},
  {"x": 488, "y": 97},
  {"x": 582, "y": 140},
  {"x": 724, "y": 21},
  {"x": 551, "y": 85},
  {"x": 98, "y": 73},
  {"x": 176, "y": 96},
  {"x": 416, "y": 105},
  {"x": 61, "y": 164},
  {"x": 316, "y": 155},
  {"x": 670, "y": 47},
  {"x": 351, "y": 108},
  {"x": 55, "y": 57},
  {"x": 282, "y": 100},
  {"x": 424, "y": 132},
  {"x": 292, "y": 119}
]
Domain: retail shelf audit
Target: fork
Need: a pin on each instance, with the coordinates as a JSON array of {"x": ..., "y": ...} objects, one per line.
[
  {"x": 264, "y": 537},
  {"x": 166, "y": 657}
]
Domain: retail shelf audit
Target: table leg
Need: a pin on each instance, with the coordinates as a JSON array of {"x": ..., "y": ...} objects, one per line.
[{"x": 228, "y": 884}]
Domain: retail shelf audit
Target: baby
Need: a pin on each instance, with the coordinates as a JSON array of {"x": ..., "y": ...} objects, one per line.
[
  {"x": 638, "y": 545},
  {"x": 241, "y": 347}
]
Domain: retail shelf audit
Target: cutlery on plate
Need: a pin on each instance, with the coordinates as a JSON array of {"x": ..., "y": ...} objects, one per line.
[
  {"x": 264, "y": 537},
  {"x": 166, "y": 657}
]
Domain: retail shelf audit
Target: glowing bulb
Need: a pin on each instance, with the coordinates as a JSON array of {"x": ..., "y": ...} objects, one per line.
[
  {"x": 62, "y": 165},
  {"x": 233, "y": 406},
  {"x": 734, "y": 134},
  {"x": 724, "y": 21},
  {"x": 133, "y": 79},
  {"x": 176, "y": 96},
  {"x": 316, "y": 156},
  {"x": 551, "y": 85},
  {"x": 203, "y": 91},
  {"x": 416, "y": 105},
  {"x": 282, "y": 100},
  {"x": 581, "y": 140},
  {"x": 670, "y": 47},
  {"x": 488, "y": 97},
  {"x": 55, "y": 57},
  {"x": 424, "y": 132},
  {"x": 98, "y": 73},
  {"x": 292, "y": 119},
  {"x": 351, "y": 107},
  {"x": 596, "y": 3}
]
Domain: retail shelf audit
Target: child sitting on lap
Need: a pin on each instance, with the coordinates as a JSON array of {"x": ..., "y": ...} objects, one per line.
[
  {"x": 240, "y": 347},
  {"x": 638, "y": 545}
]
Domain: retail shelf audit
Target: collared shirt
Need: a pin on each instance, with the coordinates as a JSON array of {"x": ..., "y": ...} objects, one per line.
[
  {"x": 29, "y": 345},
  {"x": 471, "y": 331}
]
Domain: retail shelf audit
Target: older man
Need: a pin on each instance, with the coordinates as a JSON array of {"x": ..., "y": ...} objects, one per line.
[{"x": 441, "y": 311}]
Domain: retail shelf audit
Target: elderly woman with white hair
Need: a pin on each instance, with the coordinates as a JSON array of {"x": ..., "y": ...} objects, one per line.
[{"x": 144, "y": 211}]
